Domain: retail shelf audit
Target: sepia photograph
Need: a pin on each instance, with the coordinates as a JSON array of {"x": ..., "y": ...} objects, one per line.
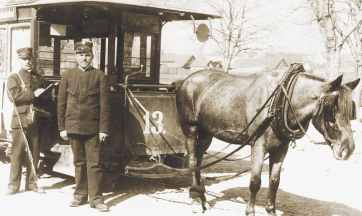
[{"x": 181, "y": 107}]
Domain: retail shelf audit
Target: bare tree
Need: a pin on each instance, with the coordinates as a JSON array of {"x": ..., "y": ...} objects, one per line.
[
  {"x": 235, "y": 33},
  {"x": 324, "y": 12},
  {"x": 349, "y": 28},
  {"x": 340, "y": 22}
]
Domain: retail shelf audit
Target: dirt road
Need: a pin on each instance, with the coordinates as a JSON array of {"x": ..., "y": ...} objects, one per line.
[{"x": 312, "y": 183}]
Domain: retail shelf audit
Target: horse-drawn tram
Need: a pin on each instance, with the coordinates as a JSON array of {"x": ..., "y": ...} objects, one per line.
[
  {"x": 126, "y": 38},
  {"x": 243, "y": 110}
]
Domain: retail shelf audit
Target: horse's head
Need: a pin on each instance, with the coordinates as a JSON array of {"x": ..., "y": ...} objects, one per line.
[{"x": 333, "y": 114}]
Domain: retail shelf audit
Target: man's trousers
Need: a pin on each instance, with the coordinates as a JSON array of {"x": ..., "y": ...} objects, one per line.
[
  {"x": 88, "y": 169},
  {"x": 19, "y": 157}
]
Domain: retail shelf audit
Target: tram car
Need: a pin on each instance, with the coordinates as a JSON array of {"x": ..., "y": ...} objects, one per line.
[{"x": 127, "y": 46}]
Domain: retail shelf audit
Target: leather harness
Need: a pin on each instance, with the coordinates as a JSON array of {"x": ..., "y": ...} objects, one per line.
[{"x": 281, "y": 106}]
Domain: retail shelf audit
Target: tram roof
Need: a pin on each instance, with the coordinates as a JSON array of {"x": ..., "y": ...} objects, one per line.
[{"x": 172, "y": 10}]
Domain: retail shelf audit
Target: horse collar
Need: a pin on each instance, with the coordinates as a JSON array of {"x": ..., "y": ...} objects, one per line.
[{"x": 280, "y": 105}]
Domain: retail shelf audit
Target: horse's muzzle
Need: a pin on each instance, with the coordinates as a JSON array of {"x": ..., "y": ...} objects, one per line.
[{"x": 342, "y": 150}]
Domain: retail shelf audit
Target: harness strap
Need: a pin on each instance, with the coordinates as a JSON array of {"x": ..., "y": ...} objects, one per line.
[
  {"x": 282, "y": 103},
  {"x": 260, "y": 130},
  {"x": 319, "y": 114},
  {"x": 293, "y": 111},
  {"x": 276, "y": 95}
]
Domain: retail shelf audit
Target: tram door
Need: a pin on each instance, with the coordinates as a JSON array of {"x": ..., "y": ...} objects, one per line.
[{"x": 20, "y": 37}]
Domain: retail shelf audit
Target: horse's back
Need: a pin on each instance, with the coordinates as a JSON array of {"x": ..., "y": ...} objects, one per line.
[
  {"x": 195, "y": 83},
  {"x": 217, "y": 101}
]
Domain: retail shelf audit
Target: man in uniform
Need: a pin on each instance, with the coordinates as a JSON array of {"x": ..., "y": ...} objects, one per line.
[
  {"x": 83, "y": 118},
  {"x": 24, "y": 87}
]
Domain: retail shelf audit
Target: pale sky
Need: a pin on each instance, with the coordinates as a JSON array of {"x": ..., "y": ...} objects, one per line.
[{"x": 291, "y": 30}]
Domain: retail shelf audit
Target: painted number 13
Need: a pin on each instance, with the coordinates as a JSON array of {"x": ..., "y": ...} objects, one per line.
[{"x": 153, "y": 123}]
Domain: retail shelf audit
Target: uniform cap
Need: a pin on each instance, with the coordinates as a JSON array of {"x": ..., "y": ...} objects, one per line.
[
  {"x": 25, "y": 53},
  {"x": 83, "y": 47}
]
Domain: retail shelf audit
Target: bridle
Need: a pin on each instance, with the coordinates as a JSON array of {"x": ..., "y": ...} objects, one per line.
[{"x": 324, "y": 116}]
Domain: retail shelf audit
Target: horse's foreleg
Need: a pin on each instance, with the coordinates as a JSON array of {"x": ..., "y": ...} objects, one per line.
[
  {"x": 257, "y": 158},
  {"x": 276, "y": 159}
]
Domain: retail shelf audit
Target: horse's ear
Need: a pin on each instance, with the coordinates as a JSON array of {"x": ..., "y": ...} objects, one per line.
[
  {"x": 335, "y": 84},
  {"x": 352, "y": 85}
]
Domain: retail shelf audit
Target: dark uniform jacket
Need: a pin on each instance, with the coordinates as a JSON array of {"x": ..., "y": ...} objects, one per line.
[
  {"x": 21, "y": 86},
  {"x": 83, "y": 103}
]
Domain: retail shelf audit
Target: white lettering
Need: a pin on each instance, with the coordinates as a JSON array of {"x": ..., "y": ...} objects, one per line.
[{"x": 153, "y": 123}]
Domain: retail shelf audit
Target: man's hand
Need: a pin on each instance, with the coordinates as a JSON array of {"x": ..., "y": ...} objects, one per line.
[
  {"x": 38, "y": 92},
  {"x": 102, "y": 137},
  {"x": 64, "y": 135}
]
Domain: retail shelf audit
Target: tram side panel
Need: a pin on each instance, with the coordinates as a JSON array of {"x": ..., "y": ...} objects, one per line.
[{"x": 145, "y": 128}]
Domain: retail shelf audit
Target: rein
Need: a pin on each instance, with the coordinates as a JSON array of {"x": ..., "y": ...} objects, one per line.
[
  {"x": 277, "y": 114},
  {"x": 289, "y": 80}
]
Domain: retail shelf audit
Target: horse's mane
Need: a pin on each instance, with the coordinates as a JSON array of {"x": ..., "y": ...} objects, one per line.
[{"x": 345, "y": 106}]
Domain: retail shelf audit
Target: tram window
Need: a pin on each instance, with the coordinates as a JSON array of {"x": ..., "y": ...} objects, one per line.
[
  {"x": 3, "y": 51},
  {"x": 137, "y": 55},
  {"x": 148, "y": 56},
  {"x": 46, "y": 56}
]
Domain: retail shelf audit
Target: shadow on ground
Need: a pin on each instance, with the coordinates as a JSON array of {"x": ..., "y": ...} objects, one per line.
[
  {"x": 290, "y": 204},
  {"x": 66, "y": 181},
  {"x": 129, "y": 186}
]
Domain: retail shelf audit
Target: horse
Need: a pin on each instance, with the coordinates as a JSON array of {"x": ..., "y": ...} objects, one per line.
[{"x": 237, "y": 109}]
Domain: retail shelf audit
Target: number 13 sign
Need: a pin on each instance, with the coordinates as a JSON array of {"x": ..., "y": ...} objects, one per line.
[{"x": 154, "y": 123}]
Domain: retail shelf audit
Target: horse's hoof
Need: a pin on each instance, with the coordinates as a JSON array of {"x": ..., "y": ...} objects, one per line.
[
  {"x": 270, "y": 210},
  {"x": 198, "y": 207},
  {"x": 249, "y": 212},
  {"x": 271, "y": 213},
  {"x": 205, "y": 206}
]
